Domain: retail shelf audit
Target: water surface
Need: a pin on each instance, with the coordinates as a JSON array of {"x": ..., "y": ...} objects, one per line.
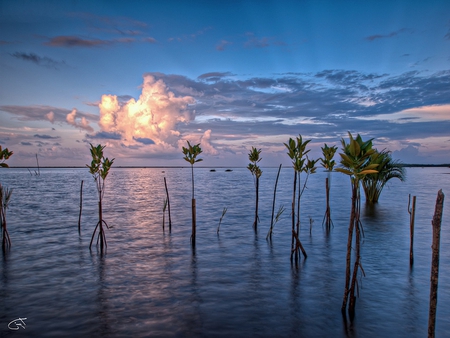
[{"x": 152, "y": 283}]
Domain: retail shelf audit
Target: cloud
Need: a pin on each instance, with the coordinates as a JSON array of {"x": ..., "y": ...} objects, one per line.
[
  {"x": 46, "y": 136},
  {"x": 74, "y": 41},
  {"x": 154, "y": 116},
  {"x": 223, "y": 44},
  {"x": 50, "y": 116},
  {"x": 104, "y": 135},
  {"x": 77, "y": 122},
  {"x": 190, "y": 37},
  {"x": 205, "y": 142},
  {"x": 214, "y": 76},
  {"x": 384, "y": 36},
  {"x": 144, "y": 140},
  {"x": 44, "y": 113},
  {"x": 41, "y": 61},
  {"x": 255, "y": 42},
  {"x": 149, "y": 40}
]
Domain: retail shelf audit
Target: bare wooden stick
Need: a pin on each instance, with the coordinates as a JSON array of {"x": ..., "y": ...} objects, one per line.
[
  {"x": 412, "y": 214},
  {"x": 436, "y": 223},
  {"x": 81, "y": 207},
  {"x": 168, "y": 204}
]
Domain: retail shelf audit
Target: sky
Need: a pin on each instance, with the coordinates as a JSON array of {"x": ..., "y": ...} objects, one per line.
[{"x": 145, "y": 77}]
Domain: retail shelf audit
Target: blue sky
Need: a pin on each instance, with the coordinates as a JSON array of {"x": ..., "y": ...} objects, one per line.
[{"x": 142, "y": 77}]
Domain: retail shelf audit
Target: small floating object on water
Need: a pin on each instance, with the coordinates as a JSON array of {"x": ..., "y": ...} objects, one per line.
[
  {"x": 212, "y": 170},
  {"x": 229, "y": 170}
]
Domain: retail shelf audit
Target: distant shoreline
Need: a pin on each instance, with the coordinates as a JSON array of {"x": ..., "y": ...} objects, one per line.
[{"x": 212, "y": 167}]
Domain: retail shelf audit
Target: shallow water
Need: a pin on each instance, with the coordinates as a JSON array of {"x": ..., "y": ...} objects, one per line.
[{"x": 152, "y": 283}]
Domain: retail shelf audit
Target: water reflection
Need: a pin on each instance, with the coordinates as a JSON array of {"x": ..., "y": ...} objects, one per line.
[
  {"x": 193, "y": 319},
  {"x": 102, "y": 327}
]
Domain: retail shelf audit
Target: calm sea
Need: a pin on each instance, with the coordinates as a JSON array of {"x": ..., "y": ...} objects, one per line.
[{"x": 151, "y": 283}]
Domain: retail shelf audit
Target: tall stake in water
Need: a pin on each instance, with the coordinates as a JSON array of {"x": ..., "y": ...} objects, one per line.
[
  {"x": 436, "y": 223},
  {"x": 168, "y": 205},
  {"x": 412, "y": 215},
  {"x": 5, "y": 197},
  {"x": 81, "y": 207}
]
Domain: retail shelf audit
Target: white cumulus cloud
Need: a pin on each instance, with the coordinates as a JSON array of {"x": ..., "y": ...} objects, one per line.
[
  {"x": 81, "y": 123},
  {"x": 153, "y": 116}
]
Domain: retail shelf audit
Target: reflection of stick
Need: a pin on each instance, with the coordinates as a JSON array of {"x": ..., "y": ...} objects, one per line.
[
  {"x": 164, "y": 212},
  {"x": 81, "y": 207},
  {"x": 436, "y": 222},
  {"x": 412, "y": 213},
  {"x": 39, "y": 172}
]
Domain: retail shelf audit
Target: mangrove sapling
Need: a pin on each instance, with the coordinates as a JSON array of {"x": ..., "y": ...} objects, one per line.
[
  {"x": 355, "y": 162},
  {"x": 224, "y": 211},
  {"x": 254, "y": 158},
  {"x": 5, "y": 197},
  {"x": 328, "y": 163},
  {"x": 99, "y": 169},
  {"x": 269, "y": 234},
  {"x": 4, "y": 155},
  {"x": 190, "y": 155},
  {"x": 387, "y": 169},
  {"x": 298, "y": 154}
]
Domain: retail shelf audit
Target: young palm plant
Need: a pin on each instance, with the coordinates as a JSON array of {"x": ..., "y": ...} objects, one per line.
[
  {"x": 5, "y": 197},
  {"x": 190, "y": 155},
  {"x": 301, "y": 163},
  {"x": 388, "y": 169},
  {"x": 99, "y": 169},
  {"x": 328, "y": 163},
  {"x": 254, "y": 159},
  {"x": 355, "y": 162}
]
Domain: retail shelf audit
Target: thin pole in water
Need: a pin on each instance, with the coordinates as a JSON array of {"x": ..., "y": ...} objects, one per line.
[
  {"x": 436, "y": 223},
  {"x": 412, "y": 214},
  {"x": 81, "y": 207},
  {"x": 168, "y": 204}
]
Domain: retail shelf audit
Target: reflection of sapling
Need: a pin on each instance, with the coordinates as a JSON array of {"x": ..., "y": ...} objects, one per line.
[
  {"x": 5, "y": 196},
  {"x": 99, "y": 169}
]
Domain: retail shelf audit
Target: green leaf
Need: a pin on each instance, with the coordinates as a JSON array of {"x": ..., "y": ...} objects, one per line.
[
  {"x": 366, "y": 172},
  {"x": 344, "y": 171}
]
